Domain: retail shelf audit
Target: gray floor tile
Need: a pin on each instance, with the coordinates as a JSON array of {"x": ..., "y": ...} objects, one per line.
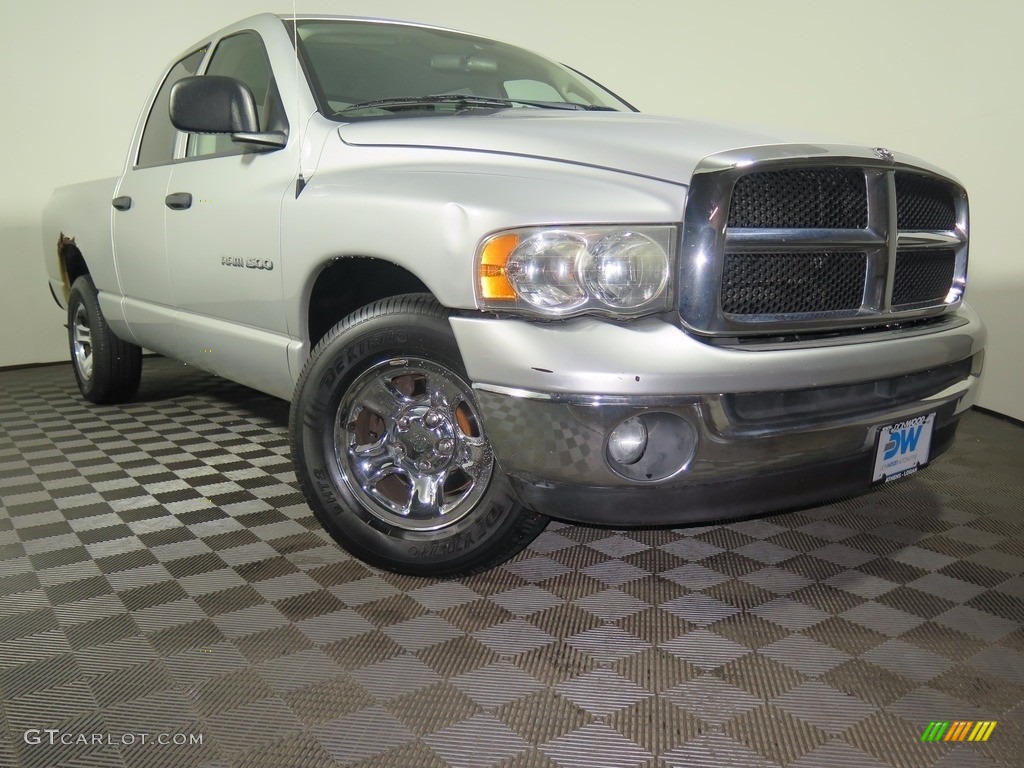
[
  {"x": 714, "y": 751},
  {"x": 882, "y": 618},
  {"x": 805, "y": 655},
  {"x": 824, "y": 707},
  {"x": 478, "y": 742},
  {"x": 602, "y": 692},
  {"x": 595, "y": 744},
  {"x": 980, "y": 624}
]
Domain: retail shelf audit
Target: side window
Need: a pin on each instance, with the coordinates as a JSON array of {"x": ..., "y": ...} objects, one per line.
[
  {"x": 244, "y": 58},
  {"x": 158, "y": 137}
]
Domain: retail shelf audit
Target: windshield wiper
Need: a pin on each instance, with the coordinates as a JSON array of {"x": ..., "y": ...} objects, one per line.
[
  {"x": 570, "y": 105},
  {"x": 462, "y": 102}
]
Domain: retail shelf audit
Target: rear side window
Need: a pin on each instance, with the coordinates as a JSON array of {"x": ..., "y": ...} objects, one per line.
[{"x": 157, "y": 145}]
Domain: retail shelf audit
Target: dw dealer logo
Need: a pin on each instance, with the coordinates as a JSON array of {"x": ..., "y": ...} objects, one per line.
[
  {"x": 903, "y": 440},
  {"x": 959, "y": 730}
]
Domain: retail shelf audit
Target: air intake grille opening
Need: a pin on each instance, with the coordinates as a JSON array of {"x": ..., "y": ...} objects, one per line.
[
  {"x": 819, "y": 198},
  {"x": 780, "y": 408},
  {"x": 792, "y": 283},
  {"x": 923, "y": 276},
  {"x": 923, "y": 203}
]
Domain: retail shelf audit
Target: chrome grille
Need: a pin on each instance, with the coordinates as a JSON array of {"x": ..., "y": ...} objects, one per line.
[{"x": 800, "y": 239}]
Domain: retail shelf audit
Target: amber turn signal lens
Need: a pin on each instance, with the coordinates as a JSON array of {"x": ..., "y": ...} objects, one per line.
[{"x": 493, "y": 282}]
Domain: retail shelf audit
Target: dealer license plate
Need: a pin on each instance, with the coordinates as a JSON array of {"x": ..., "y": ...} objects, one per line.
[{"x": 903, "y": 448}]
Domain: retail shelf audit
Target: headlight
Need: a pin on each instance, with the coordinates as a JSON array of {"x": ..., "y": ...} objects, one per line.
[
  {"x": 565, "y": 271},
  {"x": 625, "y": 270},
  {"x": 544, "y": 268}
]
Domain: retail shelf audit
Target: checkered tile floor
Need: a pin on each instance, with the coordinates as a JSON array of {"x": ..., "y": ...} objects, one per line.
[{"x": 166, "y": 599}]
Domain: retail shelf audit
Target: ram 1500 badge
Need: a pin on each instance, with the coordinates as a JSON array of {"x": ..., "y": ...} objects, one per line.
[{"x": 495, "y": 293}]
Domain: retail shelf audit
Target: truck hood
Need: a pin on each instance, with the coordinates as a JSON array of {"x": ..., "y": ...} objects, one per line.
[{"x": 663, "y": 148}]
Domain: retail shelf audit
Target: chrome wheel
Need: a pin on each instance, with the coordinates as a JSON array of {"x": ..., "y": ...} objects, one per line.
[
  {"x": 81, "y": 343},
  {"x": 390, "y": 446},
  {"x": 410, "y": 446}
]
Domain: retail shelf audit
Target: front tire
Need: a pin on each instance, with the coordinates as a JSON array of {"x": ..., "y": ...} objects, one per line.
[
  {"x": 390, "y": 449},
  {"x": 107, "y": 368}
]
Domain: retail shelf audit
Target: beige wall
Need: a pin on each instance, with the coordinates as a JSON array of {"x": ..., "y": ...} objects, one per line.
[{"x": 937, "y": 78}]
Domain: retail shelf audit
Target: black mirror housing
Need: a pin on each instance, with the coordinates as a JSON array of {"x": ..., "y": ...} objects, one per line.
[{"x": 213, "y": 104}]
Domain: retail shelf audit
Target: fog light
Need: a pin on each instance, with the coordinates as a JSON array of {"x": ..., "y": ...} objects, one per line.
[
  {"x": 628, "y": 441},
  {"x": 651, "y": 447}
]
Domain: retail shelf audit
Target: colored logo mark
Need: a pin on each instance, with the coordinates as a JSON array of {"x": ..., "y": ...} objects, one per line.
[
  {"x": 959, "y": 730},
  {"x": 902, "y": 441}
]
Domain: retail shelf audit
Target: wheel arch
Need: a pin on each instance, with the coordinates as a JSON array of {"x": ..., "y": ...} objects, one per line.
[
  {"x": 346, "y": 284},
  {"x": 71, "y": 262}
]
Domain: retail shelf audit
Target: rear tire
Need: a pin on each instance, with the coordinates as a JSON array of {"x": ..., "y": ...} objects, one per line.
[
  {"x": 390, "y": 450},
  {"x": 107, "y": 368}
]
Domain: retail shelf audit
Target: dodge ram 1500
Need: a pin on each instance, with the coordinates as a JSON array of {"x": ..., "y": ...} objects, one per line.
[{"x": 495, "y": 293}]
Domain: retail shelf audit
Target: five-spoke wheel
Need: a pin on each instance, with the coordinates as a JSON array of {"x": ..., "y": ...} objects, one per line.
[
  {"x": 392, "y": 452},
  {"x": 410, "y": 444}
]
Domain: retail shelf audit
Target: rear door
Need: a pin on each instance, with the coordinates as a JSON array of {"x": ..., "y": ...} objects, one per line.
[{"x": 138, "y": 222}]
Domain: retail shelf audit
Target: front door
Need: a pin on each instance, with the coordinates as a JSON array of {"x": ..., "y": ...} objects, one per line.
[{"x": 223, "y": 237}]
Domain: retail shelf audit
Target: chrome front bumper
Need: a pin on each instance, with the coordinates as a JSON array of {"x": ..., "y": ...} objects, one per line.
[{"x": 553, "y": 446}]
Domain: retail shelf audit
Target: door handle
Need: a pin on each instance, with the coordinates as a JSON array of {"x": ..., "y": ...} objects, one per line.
[
  {"x": 178, "y": 201},
  {"x": 122, "y": 203}
]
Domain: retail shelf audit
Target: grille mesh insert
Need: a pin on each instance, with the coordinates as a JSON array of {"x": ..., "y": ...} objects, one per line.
[
  {"x": 818, "y": 198},
  {"x": 923, "y": 203},
  {"x": 923, "y": 276},
  {"x": 792, "y": 283}
]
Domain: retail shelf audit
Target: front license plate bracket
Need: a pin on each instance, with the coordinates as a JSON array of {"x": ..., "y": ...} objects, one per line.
[{"x": 903, "y": 448}]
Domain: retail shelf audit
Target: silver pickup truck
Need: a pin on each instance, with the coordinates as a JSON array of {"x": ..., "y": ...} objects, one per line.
[{"x": 494, "y": 292}]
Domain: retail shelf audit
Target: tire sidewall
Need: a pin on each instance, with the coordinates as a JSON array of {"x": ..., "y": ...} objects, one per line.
[
  {"x": 116, "y": 363},
  {"x": 83, "y": 294},
  {"x": 333, "y": 368}
]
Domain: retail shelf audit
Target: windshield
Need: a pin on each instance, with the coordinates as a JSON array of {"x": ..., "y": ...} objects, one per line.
[{"x": 366, "y": 69}]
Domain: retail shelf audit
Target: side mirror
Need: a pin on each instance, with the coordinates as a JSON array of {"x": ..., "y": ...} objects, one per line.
[{"x": 217, "y": 104}]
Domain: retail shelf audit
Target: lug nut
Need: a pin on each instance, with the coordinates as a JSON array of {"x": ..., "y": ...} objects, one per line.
[{"x": 446, "y": 446}]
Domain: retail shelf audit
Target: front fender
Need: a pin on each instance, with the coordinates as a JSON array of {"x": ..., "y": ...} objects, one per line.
[{"x": 426, "y": 210}]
